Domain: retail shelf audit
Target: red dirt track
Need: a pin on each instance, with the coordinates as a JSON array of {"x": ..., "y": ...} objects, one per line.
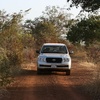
[{"x": 54, "y": 86}]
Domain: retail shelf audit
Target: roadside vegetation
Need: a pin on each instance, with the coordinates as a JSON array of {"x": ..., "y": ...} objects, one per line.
[
  {"x": 19, "y": 40},
  {"x": 13, "y": 40}
]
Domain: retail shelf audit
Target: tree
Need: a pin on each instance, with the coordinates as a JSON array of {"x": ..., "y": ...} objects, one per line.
[
  {"x": 10, "y": 46},
  {"x": 87, "y": 5},
  {"x": 87, "y": 31},
  {"x": 49, "y": 26},
  {"x": 42, "y": 31},
  {"x": 55, "y": 15},
  {"x": 58, "y": 16},
  {"x": 12, "y": 42}
]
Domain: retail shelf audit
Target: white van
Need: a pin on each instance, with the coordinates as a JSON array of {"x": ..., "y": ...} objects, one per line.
[{"x": 54, "y": 57}]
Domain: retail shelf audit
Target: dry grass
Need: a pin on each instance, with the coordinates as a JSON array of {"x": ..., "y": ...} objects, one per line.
[
  {"x": 89, "y": 65},
  {"x": 92, "y": 88}
]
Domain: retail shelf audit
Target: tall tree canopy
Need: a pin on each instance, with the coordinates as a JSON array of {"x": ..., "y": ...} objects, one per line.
[
  {"x": 87, "y": 5},
  {"x": 49, "y": 26},
  {"x": 57, "y": 16},
  {"x": 86, "y": 30}
]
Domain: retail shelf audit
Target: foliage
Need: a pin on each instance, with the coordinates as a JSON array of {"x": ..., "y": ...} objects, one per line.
[
  {"x": 87, "y": 30},
  {"x": 93, "y": 55},
  {"x": 28, "y": 43},
  {"x": 48, "y": 27},
  {"x": 4, "y": 68},
  {"x": 11, "y": 46},
  {"x": 45, "y": 32},
  {"x": 27, "y": 40},
  {"x": 87, "y": 5},
  {"x": 57, "y": 16}
]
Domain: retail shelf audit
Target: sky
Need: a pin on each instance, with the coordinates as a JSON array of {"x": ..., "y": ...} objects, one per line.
[{"x": 37, "y": 6}]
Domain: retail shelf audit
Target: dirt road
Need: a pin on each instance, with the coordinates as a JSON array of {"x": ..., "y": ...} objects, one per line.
[{"x": 54, "y": 86}]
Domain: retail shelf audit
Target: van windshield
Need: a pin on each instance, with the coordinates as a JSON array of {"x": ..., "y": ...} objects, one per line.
[{"x": 54, "y": 49}]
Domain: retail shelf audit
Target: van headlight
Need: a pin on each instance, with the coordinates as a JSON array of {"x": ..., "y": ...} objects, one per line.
[
  {"x": 66, "y": 59},
  {"x": 42, "y": 59}
]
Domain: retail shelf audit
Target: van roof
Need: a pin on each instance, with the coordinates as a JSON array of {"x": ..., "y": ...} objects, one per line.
[{"x": 54, "y": 44}]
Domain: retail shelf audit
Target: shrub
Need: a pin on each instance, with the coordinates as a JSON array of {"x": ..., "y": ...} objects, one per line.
[
  {"x": 11, "y": 48},
  {"x": 93, "y": 55},
  {"x": 4, "y": 68}
]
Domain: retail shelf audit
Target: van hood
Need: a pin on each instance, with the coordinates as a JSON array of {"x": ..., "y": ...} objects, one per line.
[{"x": 54, "y": 55}]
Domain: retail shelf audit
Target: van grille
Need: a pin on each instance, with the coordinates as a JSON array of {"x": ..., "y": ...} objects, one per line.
[{"x": 54, "y": 60}]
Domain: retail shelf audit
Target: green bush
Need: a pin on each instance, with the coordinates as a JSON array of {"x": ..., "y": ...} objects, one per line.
[{"x": 4, "y": 68}]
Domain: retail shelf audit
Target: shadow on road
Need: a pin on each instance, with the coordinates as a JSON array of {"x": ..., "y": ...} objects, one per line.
[{"x": 26, "y": 72}]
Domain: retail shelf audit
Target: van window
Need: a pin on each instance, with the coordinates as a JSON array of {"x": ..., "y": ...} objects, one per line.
[{"x": 54, "y": 49}]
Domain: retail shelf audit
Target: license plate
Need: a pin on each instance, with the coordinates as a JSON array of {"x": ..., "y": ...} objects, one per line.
[{"x": 53, "y": 66}]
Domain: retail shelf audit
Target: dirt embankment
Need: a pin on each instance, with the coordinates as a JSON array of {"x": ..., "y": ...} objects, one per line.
[{"x": 54, "y": 86}]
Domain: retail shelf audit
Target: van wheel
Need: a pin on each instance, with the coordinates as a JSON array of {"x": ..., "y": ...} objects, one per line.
[{"x": 68, "y": 72}]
